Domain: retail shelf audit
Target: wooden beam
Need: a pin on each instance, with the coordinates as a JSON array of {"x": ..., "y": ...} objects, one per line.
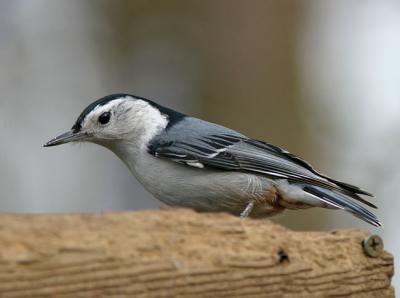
[{"x": 180, "y": 253}]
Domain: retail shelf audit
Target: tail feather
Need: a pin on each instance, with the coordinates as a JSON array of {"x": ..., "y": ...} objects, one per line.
[
  {"x": 353, "y": 191},
  {"x": 350, "y": 187},
  {"x": 341, "y": 201},
  {"x": 360, "y": 199}
]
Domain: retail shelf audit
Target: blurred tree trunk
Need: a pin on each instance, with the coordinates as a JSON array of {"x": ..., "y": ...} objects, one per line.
[{"x": 250, "y": 80}]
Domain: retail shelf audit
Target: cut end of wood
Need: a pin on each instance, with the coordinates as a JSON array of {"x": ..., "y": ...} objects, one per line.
[{"x": 181, "y": 253}]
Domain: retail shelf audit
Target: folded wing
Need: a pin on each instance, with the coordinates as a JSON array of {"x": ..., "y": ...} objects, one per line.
[{"x": 238, "y": 153}]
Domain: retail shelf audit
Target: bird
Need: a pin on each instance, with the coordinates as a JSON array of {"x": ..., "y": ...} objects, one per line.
[{"x": 188, "y": 162}]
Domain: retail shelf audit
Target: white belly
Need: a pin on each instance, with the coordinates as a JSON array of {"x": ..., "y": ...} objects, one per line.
[{"x": 201, "y": 189}]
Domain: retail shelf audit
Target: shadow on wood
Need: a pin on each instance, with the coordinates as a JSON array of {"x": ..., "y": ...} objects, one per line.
[{"x": 180, "y": 253}]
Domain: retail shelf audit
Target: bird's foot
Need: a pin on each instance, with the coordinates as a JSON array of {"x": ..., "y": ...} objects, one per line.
[{"x": 246, "y": 212}]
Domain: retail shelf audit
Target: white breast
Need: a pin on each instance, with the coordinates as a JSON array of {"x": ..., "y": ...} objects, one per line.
[{"x": 199, "y": 188}]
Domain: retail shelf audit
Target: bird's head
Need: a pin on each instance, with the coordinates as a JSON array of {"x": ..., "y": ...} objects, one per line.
[{"x": 117, "y": 118}]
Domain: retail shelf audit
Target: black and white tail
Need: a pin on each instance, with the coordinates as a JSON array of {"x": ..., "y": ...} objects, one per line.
[{"x": 345, "y": 201}]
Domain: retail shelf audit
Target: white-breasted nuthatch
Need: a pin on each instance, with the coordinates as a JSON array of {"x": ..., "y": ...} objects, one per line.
[{"x": 188, "y": 162}]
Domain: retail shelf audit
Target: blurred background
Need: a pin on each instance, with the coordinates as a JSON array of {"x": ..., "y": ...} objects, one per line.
[{"x": 319, "y": 78}]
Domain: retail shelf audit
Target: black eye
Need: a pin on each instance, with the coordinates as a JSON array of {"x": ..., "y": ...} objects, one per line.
[{"x": 104, "y": 118}]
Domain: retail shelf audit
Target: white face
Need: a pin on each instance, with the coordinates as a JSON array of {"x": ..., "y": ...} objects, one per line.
[{"x": 125, "y": 119}]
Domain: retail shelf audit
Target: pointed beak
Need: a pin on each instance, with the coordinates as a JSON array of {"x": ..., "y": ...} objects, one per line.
[{"x": 69, "y": 136}]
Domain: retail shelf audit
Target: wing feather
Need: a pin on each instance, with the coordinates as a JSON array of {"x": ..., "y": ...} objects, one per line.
[{"x": 231, "y": 152}]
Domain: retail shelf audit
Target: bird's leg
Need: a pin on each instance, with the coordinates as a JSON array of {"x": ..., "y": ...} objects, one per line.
[{"x": 246, "y": 212}]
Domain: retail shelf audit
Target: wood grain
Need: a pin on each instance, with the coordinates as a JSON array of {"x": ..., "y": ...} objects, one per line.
[{"x": 180, "y": 253}]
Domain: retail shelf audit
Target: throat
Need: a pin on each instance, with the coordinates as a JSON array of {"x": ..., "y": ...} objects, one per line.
[{"x": 129, "y": 153}]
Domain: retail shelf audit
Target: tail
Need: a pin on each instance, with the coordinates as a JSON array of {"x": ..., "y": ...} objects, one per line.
[{"x": 342, "y": 201}]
